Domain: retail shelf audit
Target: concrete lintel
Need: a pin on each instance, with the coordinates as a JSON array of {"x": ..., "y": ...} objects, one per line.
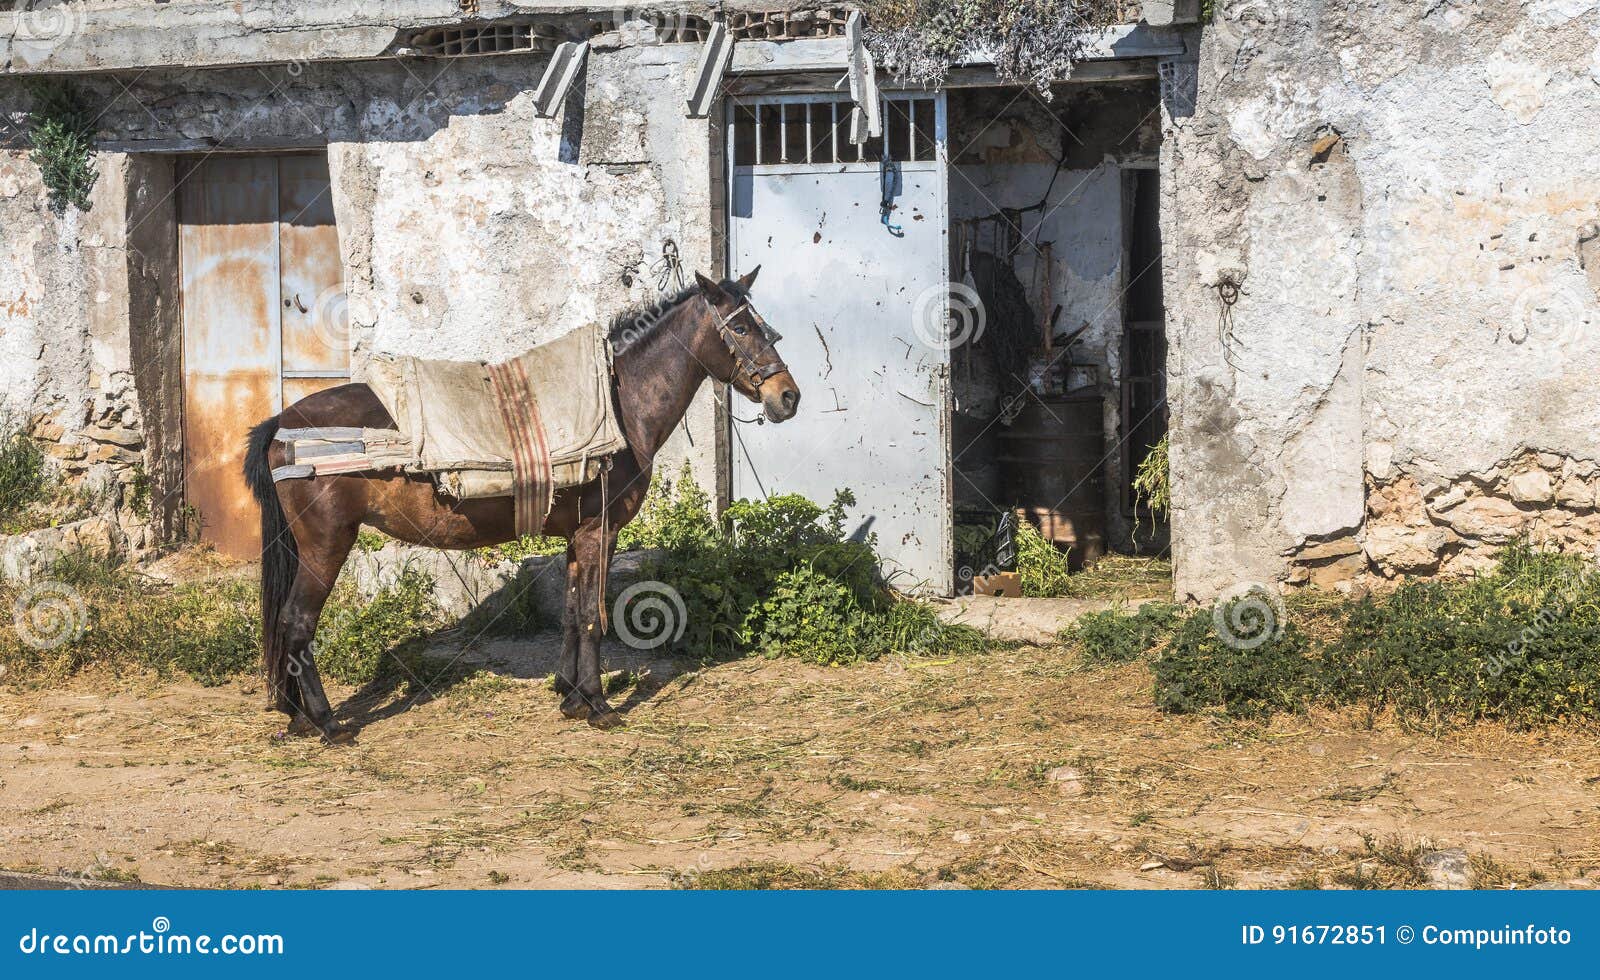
[
  {"x": 135, "y": 34},
  {"x": 1088, "y": 73},
  {"x": 1122, "y": 43},
  {"x": 130, "y": 34}
]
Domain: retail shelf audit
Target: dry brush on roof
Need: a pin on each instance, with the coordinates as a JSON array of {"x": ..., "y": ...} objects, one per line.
[{"x": 1033, "y": 42}]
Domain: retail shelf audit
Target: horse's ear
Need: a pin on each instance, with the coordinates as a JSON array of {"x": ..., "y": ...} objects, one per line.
[
  {"x": 749, "y": 279},
  {"x": 710, "y": 287}
]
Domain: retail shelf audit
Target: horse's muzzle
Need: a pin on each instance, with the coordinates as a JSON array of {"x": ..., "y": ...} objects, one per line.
[{"x": 780, "y": 397}]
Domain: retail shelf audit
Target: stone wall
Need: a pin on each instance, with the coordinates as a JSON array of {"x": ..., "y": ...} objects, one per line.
[
  {"x": 66, "y": 371},
  {"x": 1382, "y": 286}
]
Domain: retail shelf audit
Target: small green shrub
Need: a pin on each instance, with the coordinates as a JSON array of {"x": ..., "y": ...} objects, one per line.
[
  {"x": 782, "y": 577},
  {"x": 810, "y": 615},
  {"x": 1201, "y": 667},
  {"x": 357, "y": 636},
  {"x": 61, "y": 127},
  {"x": 24, "y": 480},
  {"x": 1517, "y": 645},
  {"x": 94, "y": 613},
  {"x": 1521, "y": 644},
  {"x": 138, "y": 492},
  {"x": 527, "y": 546},
  {"x": 675, "y": 514},
  {"x": 1115, "y": 636}
]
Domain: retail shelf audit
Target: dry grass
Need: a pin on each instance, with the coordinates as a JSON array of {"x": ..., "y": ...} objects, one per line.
[
  {"x": 1016, "y": 768},
  {"x": 1128, "y": 577}
]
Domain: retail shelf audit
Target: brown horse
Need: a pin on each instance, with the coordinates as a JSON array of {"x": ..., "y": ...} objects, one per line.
[{"x": 661, "y": 357}]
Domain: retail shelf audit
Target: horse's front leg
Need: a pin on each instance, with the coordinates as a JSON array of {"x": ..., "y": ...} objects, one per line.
[
  {"x": 593, "y": 548},
  {"x": 566, "y": 679}
]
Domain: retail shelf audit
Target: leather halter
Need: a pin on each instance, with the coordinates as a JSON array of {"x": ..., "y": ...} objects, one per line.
[{"x": 747, "y": 364}]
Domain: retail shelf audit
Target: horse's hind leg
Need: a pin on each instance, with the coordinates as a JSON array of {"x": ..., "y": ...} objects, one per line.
[{"x": 313, "y": 581}]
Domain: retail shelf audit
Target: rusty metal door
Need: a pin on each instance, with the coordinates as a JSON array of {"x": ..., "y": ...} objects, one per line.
[
  {"x": 263, "y": 319},
  {"x": 853, "y": 240}
]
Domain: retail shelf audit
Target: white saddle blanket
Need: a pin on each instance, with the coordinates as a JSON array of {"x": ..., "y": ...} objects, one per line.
[
  {"x": 522, "y": 428},
  {"x": 456, "y": 422}
]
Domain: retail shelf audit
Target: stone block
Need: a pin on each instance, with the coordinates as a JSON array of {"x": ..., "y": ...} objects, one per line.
[
  {"x": 1531, "y": 487},
  {"x": 1406, "y": 551}
]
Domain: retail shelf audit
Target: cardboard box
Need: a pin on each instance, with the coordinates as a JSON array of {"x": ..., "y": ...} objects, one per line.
[{"x": 1000, "y": 584}]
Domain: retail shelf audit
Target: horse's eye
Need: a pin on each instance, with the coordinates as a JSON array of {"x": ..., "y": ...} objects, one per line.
[{"x": 740, "y": 329}]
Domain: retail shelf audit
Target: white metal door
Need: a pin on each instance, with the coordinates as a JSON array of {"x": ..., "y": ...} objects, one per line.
[{"x": 859, "y": 292}]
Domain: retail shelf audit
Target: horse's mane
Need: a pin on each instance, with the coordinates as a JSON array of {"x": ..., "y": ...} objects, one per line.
[{"x": 643, "y": 319}]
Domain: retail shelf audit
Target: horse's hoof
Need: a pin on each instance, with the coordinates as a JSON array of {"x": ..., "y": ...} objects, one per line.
[
  {"x": 607, "y": 720},
  {"x": 301, "y": 726},
  {"x": 338, "y": 735},
  {"x": 576, "y": 709}
]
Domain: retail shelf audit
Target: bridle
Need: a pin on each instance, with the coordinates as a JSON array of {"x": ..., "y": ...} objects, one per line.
[{"x": 756, "y": 373}]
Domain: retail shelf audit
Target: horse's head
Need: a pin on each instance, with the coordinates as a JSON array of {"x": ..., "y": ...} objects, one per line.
[{"x": 749, "y": 353}]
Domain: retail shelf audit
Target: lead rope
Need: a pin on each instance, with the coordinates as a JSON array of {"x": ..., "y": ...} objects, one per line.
[{"x": 605, "y": 537}]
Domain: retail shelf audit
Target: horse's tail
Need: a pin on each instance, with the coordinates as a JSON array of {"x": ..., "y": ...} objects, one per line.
[{"x": 279, "y": 556}]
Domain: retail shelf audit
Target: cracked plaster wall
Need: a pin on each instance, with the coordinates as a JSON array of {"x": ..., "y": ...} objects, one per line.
[{"x": 1401, "y": 192}]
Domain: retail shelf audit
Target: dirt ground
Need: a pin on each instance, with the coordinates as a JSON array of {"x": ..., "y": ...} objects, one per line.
[{"x": 1018, "y": 768}]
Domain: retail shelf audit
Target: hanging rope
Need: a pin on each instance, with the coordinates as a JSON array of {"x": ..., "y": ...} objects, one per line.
[
  {"x": 1229, "y": 290},
  {"x": 668, "y": 270}
]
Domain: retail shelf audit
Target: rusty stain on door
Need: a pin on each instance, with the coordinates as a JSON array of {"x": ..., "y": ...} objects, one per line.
[{"x": 263, "y": 319}]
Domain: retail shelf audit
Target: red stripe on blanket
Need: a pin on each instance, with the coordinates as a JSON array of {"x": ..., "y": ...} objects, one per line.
[
  {"x": 530, "y": 459},
  {"x": 544, "y": 477}
]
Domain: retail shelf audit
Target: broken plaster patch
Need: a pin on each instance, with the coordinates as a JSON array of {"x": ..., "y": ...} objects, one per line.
[
  {"x": 1517, "y": 86},
  {"x": 1554, "y": 13}
]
